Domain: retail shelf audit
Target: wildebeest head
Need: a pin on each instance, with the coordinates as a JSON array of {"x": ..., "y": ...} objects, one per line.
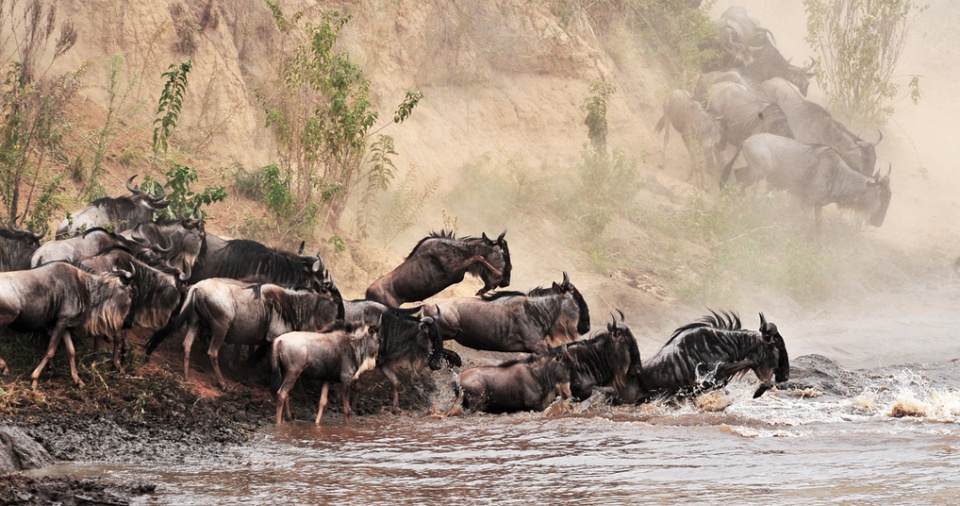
[
  {"x": 566, "y": 287},
  {"x": 880, "y": 194},
  {"x": 499, "y": 257},
  {"x": 111, "y": 303},
  {"x": 366, "y": 344},
  {"x": 431, "y": 328},
  {"x": 772, "y": 361},
  {"x": 16, "y": 248},
  {"x": 329, "y": 287}
]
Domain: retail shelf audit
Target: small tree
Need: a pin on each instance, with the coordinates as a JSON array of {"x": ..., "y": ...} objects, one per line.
[{"x": 859, "y": 44}]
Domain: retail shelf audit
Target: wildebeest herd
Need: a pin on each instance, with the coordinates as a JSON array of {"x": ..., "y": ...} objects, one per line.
[
  {"x": 759, "y": 107},
  {"x": 166, "y": 276}
]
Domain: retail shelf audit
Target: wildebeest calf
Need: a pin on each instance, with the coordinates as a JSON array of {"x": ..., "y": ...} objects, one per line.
[
  {"x": 339, "y": 354},
  {"x": 516, "y": 385}
]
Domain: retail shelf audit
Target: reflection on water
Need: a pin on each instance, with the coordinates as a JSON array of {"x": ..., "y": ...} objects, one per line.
[{"x": 779, "y": 448}]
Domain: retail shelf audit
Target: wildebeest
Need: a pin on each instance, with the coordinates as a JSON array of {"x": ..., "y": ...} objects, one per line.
[
  {"x": 817, "y": 174},
  {"x": 336, "y": 355},
  {"x": 745, "y": 113},
  {"x": 514, "y": 321},
  {"x": 609, "y": 361},
  {"x": 124, "y": 212},
  {"x": 518, "y": 385},
  {"x": 440, "y": 260},
  {"x": 812, "y": 124},
  {"x": 406, "y": 341},
  {"x": 248, "y": 260},
  {"x": 706, "y": 354},
  {"x": 739, "y": 32},
  {"x": 157, "y": 292},
  {"x": 16, "y": 248},
  {"x": 65, "y": 300},
  {"x": 707, "y": 80},
  {"x": 699, "y": 130},
  {"x": 177, "y": 243},
  {"x": 248, "y": 314},
  {"x": 89, "y": 243}
]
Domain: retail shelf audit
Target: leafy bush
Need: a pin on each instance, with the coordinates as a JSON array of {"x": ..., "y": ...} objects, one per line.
[{"x": 183, "y": 201}]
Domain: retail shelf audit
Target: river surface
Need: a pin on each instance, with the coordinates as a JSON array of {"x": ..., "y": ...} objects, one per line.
[{"x": 894, "y": 438}]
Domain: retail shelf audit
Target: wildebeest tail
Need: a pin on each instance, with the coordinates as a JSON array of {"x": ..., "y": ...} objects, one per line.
[
  {"x": 276, "y": 371},
  {"x": 727, "y": 168},
  {"x": 661, "y": 123},
  {"x": 186, "y": 309}
]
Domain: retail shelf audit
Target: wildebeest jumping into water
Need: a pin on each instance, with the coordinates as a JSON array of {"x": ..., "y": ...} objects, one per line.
[
  {"x": 338, "y": 354},
  {"x": 518, "y": 385},
  {"x": 514, "y": 321},
  {"x": 440, "y": 260},
  {"x": 608, "y": 361},
  {"x": 706, "y": 354}
]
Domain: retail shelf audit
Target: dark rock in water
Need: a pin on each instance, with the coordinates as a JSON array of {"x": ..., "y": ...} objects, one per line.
[
  {"x": 67, "y": 491},
  {"x": 19, "y": 452},
  {"x": 816, "y": 372}
]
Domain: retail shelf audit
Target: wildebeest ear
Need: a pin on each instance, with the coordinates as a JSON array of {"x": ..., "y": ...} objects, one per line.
[
  {"x": 300, "y": 249},
  {"x": 316, "y": 265},
  {"x": 484, "y": 237},
  {"x": 557, "y": 287}
]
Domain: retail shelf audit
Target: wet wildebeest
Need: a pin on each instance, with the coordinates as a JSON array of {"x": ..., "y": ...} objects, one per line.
[
  {"x": 517, "y": 385},
  {"x": 744, "y": 113},
  {"x": 16, "y": 248},
  {"x": 336, "y": 355},
  {"x": 176, "y": 243},
  {"x": 249, "y": 314},
  {"x": 706, "y": 354},
  {"x": 122, "y": 212},
  {"x": 812, "y": 124},
  {"x": 406, "y": 341},
  {"x": 65, "y": 300},
  {"x": 609, "y": 361},
  {"x": 816, "y": 174},
  {"x": 89, "y": 243},
  {"x": 514, "y": 321},
  {"x": 371, "y": 312},
  {"x": 248, "y": 260},
  {"x": 700, "y": 131},
  {"x": 157, "y": 292},
  {"x": 441, "y": 260}
]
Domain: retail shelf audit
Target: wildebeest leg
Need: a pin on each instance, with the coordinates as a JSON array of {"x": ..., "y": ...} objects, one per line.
[
  {"x": 283, "y": 393},
  {"x": 214, "y": 353},
  {"x": 118, "y": 343},
  {"x": 3, "y": 368},
  {"x": 323, "y": 400},
  {"x": 73, "y": 358},
  {"x": 187, "y": 344},
  {"x": 258, "y": 354},
  {"x": 347, "y": 387},
  {"x": 55, "y": 338},
  {"x": 392, "y": 376}
]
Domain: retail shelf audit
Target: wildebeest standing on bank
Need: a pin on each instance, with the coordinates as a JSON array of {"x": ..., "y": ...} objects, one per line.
[
  {"x": 816, "y": 174},
  {"x": 249, "y": 260},
  {"x": 248, "y": 314},
  {"x": 812, "y": 124},
  {"x": 66, "y": 300},
  {"x": 440, "y": 260},
  {"x": 123, "y": 212},
  {"x": 177, "y": 243},
  {"x": 336, "y": 355},
  {"x": 518, "y": 385},
  {"x": 156, "y": 298},
  {"x": 706, "y": 354},
  {"x": 514, "y": 321},
  {"x": 16, "y": 248},
  {"x": 89, "y": 243},
  {"x": 608, "y": 361}
]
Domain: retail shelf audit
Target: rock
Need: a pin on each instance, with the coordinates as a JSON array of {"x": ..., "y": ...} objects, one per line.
[
  {"x": 819, "y": 373},
  {"x": 19, "y": 452}
]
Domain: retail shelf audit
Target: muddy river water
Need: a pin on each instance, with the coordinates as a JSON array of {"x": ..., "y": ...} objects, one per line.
[{"x": 788, "y": 447}]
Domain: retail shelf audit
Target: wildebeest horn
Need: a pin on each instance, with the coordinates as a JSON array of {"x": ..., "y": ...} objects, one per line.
[
  {"x": 125, "y": 276},
  {"x": 133, "y": 189},
  {"x": 763, "y": 323},
  {"x": 163, "y": 193},
  {"x": 427, "y": 319},
  {"x": 566, "y": 278},
  {"x": 621, "y": 315},
  {"x": 880, "y": 139},
  {"x": 500, "y": 239},
  {"x": 808, "y": 67},
  {"x": 300, "y": 249}
]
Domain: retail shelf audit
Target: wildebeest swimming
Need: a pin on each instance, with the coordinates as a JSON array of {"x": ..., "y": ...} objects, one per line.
[
  {"x": 440, "y": 260},
  {"x": 609, "y": 361},
  {"x": 706, "y": 354},
  {"x": 336, "y": 355},
  {"x": 517, "y": 385},
  {"x": 514, "y": 321}
]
